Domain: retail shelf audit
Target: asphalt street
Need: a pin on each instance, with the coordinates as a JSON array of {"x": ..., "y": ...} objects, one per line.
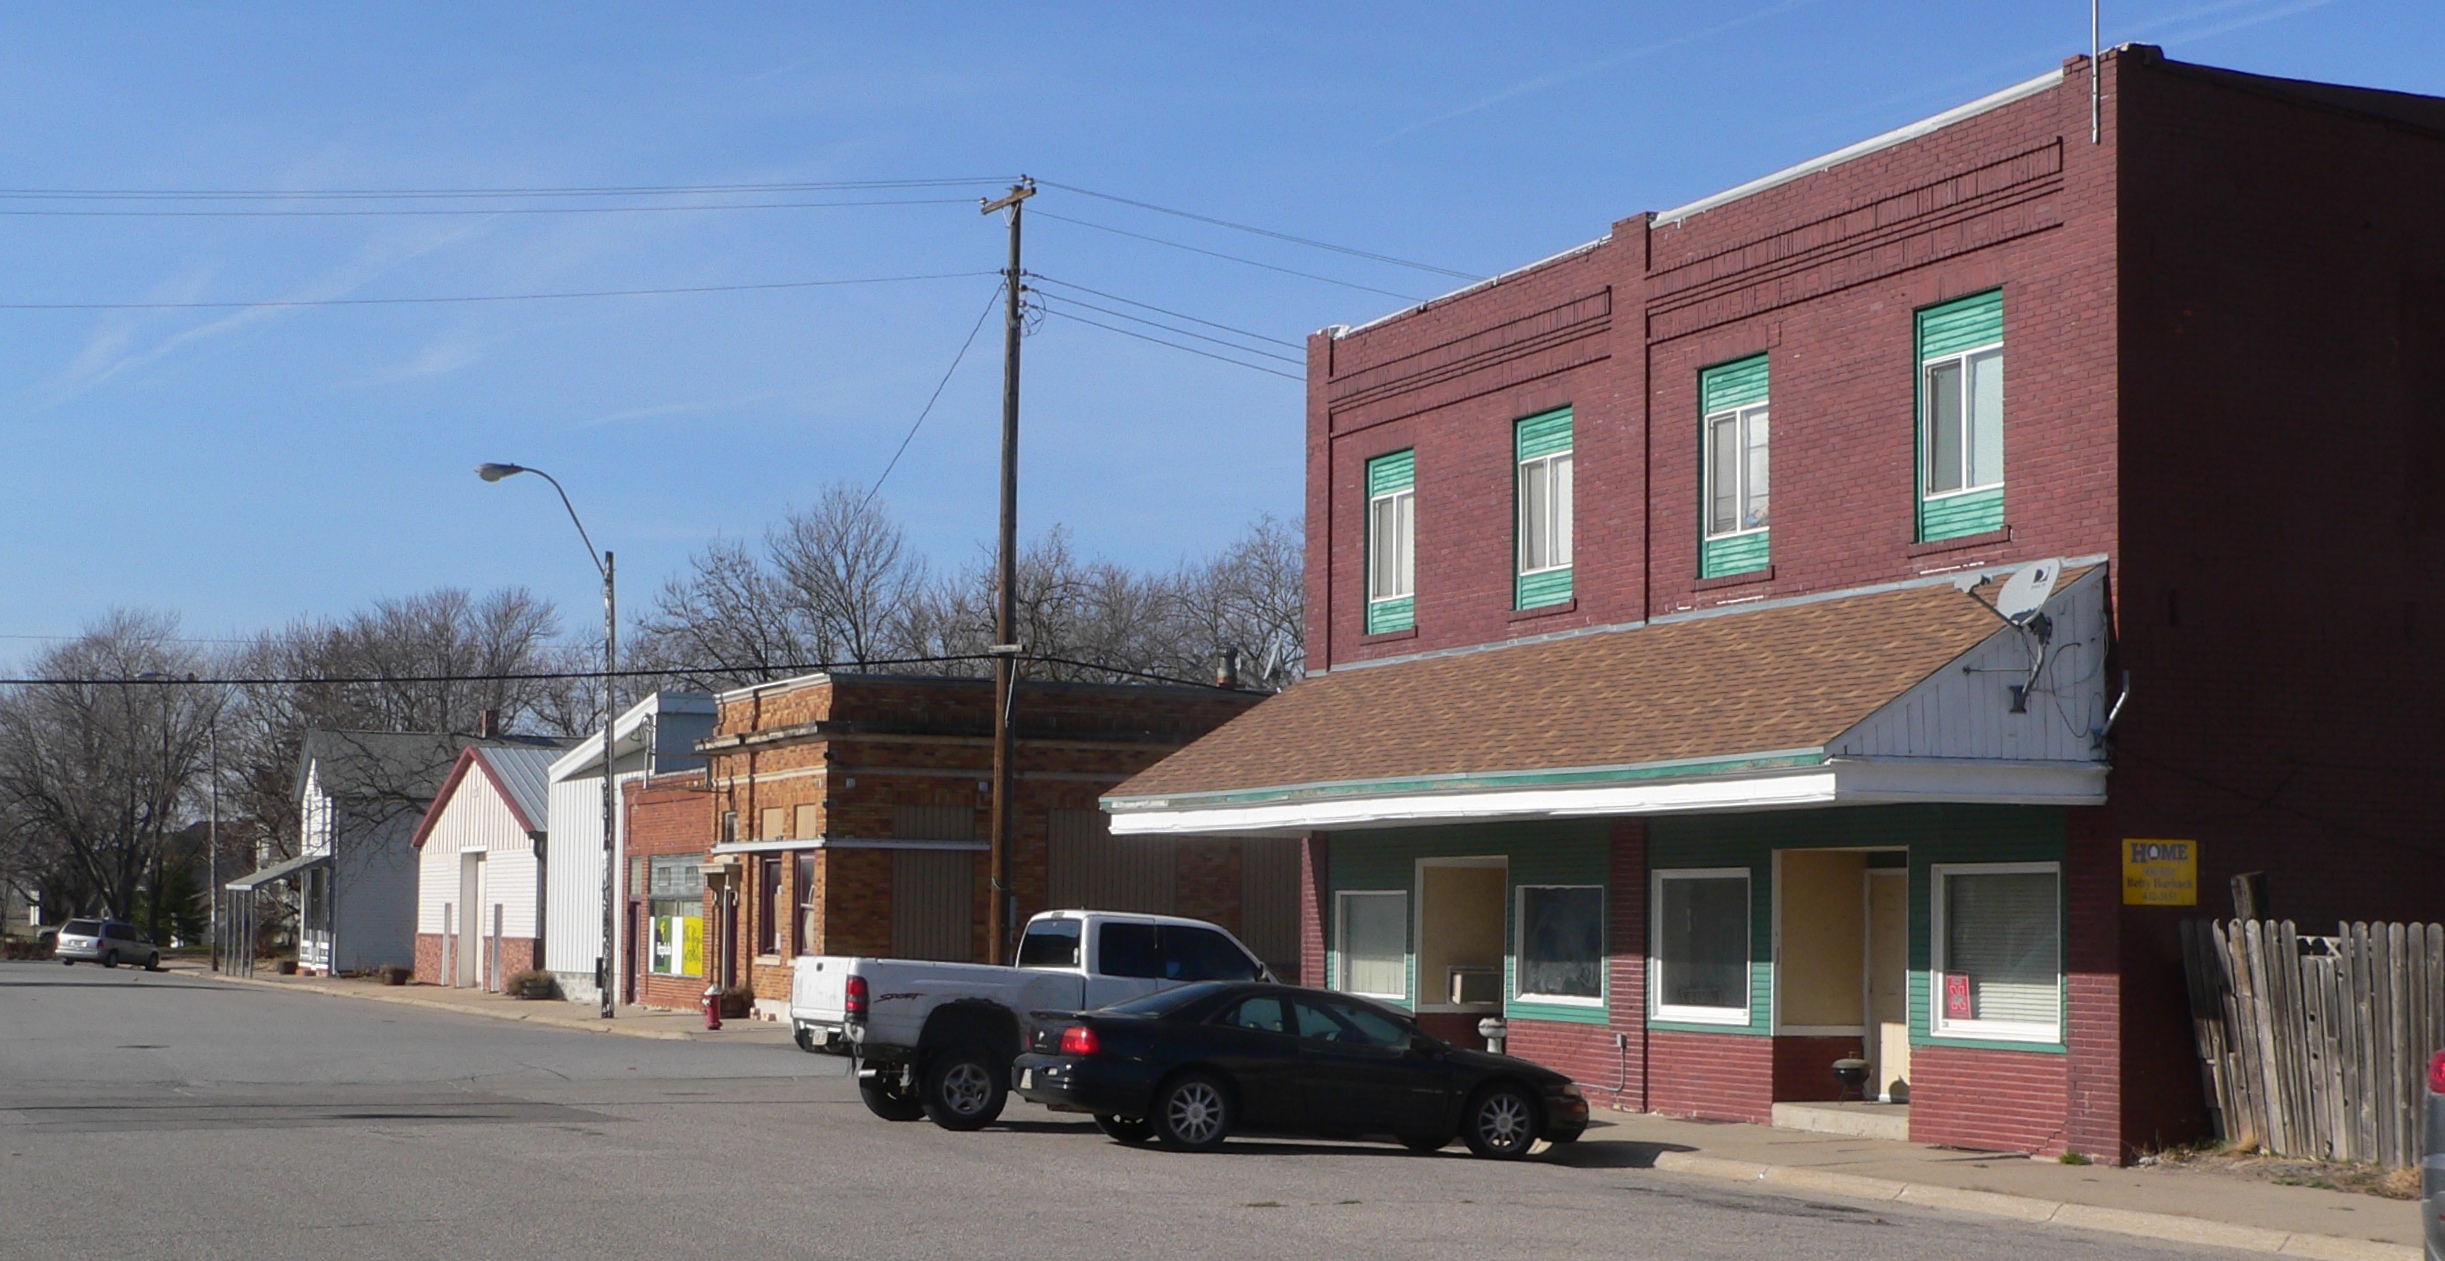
[{"x": 173, "y": 1115}]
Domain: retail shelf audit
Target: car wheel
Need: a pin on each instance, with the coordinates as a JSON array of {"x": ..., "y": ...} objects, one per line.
[
  {"x": 1425, "y": 1142},
  {"x": 1192, "y": 1113},
  {"x": 153, "y": 962},
  {"x": 1128, "y": 1130},
  {"x": 886, "y": 1098},
  {"x": 110, "y": 960},
  {"x": 1501, "y": 1123},
  {"x": 67, "y": 963},
  {"x": 964, "y": 1089}
]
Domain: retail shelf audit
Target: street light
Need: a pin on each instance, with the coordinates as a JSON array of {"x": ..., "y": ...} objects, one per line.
[{"x": 603, "y": 960}]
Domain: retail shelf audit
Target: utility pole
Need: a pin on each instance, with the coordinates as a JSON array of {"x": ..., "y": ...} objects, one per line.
[
  {"x": 1002, "y": 907},
  {"x": 212, "y": 833},
  {"x": 607, "y": 964}
]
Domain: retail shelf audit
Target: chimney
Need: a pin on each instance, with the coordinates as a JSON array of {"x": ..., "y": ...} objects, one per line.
[
  {"x": 488, "y": 725},
  {"x": 1226, "y": 669}
]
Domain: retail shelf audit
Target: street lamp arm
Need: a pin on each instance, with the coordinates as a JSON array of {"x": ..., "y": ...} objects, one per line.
[{"x": 495, "y": 472}]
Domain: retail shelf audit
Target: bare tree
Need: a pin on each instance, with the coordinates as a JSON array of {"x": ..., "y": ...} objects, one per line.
[{"x": 95, "y": 765}]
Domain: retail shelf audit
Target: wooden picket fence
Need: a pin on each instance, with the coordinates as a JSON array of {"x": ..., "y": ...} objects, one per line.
[{"x": 2317, "y": 1046}]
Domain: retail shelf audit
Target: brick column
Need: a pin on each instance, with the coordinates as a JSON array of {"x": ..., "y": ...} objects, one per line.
[
  {"x": 1315, "y": 884},
  {"x": 1626, "y": 930},
  {"x": 2092, "y": 954}
]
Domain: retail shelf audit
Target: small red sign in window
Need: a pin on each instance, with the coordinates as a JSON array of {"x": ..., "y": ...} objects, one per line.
[{"x": 1956, "y": 996}]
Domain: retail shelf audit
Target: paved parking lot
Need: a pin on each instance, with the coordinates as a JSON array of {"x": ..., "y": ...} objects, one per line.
[{"x": 174, "y": 1115}]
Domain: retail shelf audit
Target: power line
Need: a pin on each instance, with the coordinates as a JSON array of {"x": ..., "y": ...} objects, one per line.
[
  {"x": 1080, "y": 319},
  {"x": 1279, "y": 236},
  {"x": 936, "y": 397},
  {"x": 403, "y": 194},
  {"x": 1178, "y": 332},
  {"x": 1114, "y": 297},
  {"x": 485, "y": 297},
  {"x": 1304, "y": 275},
  {"x": 46, "y": 213},
  {"x": 524, "y": 676}
]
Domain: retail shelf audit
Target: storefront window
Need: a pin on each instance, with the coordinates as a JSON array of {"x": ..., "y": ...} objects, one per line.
[
  {"x": 1562, "y": 943},
  {"x": 1701, "y": 960},
  {"x": 675, "y": 905},
  {"x": 1999, "y": 952},
  {"x": 1374, "y": 934}
]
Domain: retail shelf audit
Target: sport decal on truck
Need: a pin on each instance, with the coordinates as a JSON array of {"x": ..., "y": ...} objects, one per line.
[{"x": 885, "y": 998}]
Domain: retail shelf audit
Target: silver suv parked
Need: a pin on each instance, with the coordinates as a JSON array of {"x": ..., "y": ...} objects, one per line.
[{"x": 107, "y": 942}]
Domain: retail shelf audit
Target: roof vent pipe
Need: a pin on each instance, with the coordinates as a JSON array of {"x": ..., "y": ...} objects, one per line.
[{"x": 488, "y": 725}]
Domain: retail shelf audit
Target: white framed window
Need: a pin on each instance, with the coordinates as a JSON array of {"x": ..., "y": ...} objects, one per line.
[
  {"x": 1997, "y": 931},
  {"x": 1699, "y": 962},
  {"x": 1373, "y": 930},
  {"x": 1545, "y": 513},
  {"x": 1736, "y": 471},
  {"x": 1965, "y": 421},
  {"x": 1561, "y": 951},
  {"x": 1392, "y": 545}
]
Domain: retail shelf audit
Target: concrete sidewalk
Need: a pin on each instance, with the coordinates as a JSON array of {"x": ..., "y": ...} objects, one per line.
[
  {"x": 630, "y": 1021},
  {"x": 2173, "y": 1205}
]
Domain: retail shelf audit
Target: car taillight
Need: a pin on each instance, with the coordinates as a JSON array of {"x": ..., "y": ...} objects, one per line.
[
  {"x": 853, "y": 1003},
  {"x": 1080, "y": 1040},
  {"x": 2436, "y": 1073}
]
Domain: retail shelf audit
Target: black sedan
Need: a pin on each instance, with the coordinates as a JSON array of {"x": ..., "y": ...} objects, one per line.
[{"x": 1193, "y": 1065}]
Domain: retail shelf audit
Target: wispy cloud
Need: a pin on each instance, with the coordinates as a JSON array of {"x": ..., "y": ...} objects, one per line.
[
  {"x": 114, "y": 348},
  {"x": 1559, "y": 77},
  {"x": 2168, "y": 29}
]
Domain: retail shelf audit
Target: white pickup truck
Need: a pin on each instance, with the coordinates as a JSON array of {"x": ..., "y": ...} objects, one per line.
[{"x": 936, "y": 1039}]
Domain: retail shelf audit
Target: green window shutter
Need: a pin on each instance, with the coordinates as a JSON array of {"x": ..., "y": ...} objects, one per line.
[
  {"x": 1544, "y": 434},
  {"x": 1733, "y": 554},
  {"x": 1388, "y": 473},
  {"x": 1546, "y": 586},
  {"x": 1962, "y": 324},
  {"x": 1739, "y": 383}
]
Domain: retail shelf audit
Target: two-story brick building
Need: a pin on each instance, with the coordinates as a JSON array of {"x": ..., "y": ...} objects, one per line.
[
  {"x": 1658, "y": 700},
  {"x": 851, "y": 817}
]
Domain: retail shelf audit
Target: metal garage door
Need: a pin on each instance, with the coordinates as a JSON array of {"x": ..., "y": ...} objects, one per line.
[{"x": 1091, "y": 868}]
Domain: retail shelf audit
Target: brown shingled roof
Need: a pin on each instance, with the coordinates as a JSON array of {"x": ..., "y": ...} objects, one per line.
[{"x": 1776, "y": 678}]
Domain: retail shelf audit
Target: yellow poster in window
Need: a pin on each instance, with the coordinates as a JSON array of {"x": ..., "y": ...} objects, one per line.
[
  {"x": 2160, "y": 873},
  {"x": 692, "y": 949}
]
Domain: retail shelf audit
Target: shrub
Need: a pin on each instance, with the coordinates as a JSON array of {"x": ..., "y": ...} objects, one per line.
[
  {"x": 533, "y": 983},
  {"x": 394, "y": 974}
]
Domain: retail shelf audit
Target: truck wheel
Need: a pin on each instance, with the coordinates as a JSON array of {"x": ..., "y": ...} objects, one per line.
[
  {"x": 964, "y": 1089},
  {"x": 1128, "y": 1130},
  {"x": 1192, "y": 1113},
  {"x": 885, "y": 1098}
]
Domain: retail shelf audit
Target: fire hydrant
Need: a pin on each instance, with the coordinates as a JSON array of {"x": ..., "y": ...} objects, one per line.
[{"x": 713, "y": 1007}]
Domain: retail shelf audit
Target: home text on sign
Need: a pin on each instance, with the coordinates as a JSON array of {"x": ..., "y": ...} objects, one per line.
[{"x": 2160, "y": 873}]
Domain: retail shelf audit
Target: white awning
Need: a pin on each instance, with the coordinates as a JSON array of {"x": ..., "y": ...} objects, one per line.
[{"x": 277, "y": 871}]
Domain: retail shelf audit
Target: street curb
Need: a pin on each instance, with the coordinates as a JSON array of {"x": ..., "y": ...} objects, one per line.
[
  {"x": 2164, "y": 1227},
  {"x": 534, "y": 1018}
]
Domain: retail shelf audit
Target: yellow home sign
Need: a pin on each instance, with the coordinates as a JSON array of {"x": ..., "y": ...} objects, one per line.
[{"x": 2160, "y": 873}]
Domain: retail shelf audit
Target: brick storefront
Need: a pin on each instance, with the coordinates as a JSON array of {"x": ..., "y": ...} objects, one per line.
[{"x": 669, "y": 817}]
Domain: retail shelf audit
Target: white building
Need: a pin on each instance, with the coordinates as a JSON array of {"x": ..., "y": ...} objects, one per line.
[
  {"x": 655, "y": 736},
  {"x": 480, "y": 851}
]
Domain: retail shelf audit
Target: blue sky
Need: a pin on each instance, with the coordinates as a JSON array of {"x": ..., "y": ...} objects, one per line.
[{"x": 247, "y": 466}]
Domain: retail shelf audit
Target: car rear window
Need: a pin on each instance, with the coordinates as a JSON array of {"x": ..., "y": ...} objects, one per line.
[
  {"x": 81, "y": 928},
  {"x": 1050, "y": 943}
]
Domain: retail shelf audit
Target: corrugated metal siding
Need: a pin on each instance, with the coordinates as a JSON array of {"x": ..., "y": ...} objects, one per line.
[
  {"x": 1543, "y": 434},
  {"x": 476, "y": 817},
  {"x": 933, "y": 900},
  {"x": 573, "y": 878},
  {"x": 1269, "y": 902},
  {"x": 526, "y": 774},
  {"x": 1397, "y": 471},
  {"x": 1736, "y": 384},
  {"x": 1089, "y": 868}
]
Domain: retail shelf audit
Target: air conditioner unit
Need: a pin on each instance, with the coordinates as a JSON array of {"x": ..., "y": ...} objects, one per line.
[{"x": 1476, "y": 986}]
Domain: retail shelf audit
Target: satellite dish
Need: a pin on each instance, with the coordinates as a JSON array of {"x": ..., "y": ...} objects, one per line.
[{"x": 2027, "y": 591}]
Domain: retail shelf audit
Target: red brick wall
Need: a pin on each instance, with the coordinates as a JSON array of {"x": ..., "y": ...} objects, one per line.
[
  {"x": 1992, "y": 1100},
  {"x": 1315, "y": 885},
  {"x": 1804, "y": 1067},
  {"x": 518, "y": 954},
  {"x": 1587, "y": 1053},
  {"x": 1628, "y": 967},
  {"x": 1726, "y": 1076}
]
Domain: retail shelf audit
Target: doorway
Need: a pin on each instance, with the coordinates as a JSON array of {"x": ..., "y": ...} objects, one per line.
[
  {"x": 472, "y": 941},
  {"x": 1888, "y": 983},
  {"x": 1460, "y": 935}
]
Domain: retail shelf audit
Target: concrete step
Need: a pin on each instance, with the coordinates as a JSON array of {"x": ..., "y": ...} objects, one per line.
[{"x": 1858, "y": 1120}]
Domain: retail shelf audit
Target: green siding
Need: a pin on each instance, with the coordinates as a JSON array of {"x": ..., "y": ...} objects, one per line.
[
  {"x": 1397, "y": 471},
  {"x": 1735, "y": 384},
  {"x": 1386, "y": 616},
  {"x": 1544, "y": 434},
  {"x": 1962, "y": 324},
  {"x": 1733, "y": 554},
  {"x": 1548, "y": 586},
  {"x": 1970, "y": 512},
  {"x": 1563, "y": 852},
  {"x": 1932, "y": 833}
]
